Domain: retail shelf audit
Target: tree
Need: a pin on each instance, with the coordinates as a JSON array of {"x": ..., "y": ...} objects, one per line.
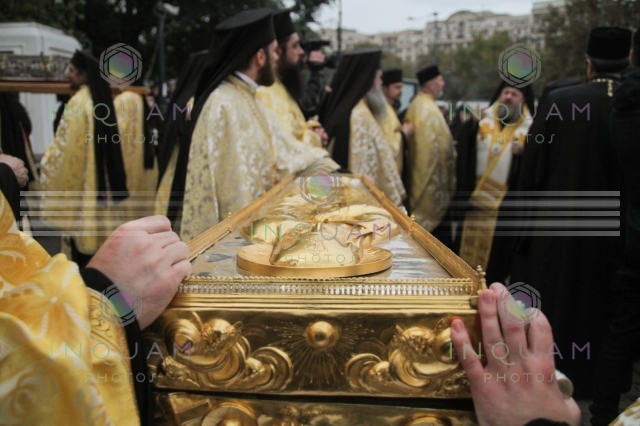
[
  {"x": 103, "y": 23},
  {"x": 61, "y": 15},
  {"x": 471, "y": 72},
  {"x": 567, "y": 32}
]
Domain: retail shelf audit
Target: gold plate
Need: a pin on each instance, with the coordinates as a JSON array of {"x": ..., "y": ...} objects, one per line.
[{"x": 255, "y": 258}]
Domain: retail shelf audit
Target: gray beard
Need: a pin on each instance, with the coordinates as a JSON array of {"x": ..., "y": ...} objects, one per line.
[
  {"x": 377, "y": 104},
  {"x": 513, "y": 113}
]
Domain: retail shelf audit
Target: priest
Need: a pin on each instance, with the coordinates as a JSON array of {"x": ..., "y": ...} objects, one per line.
[
  {"x": 395, "y": 132},
  {"x": 573, "y": 272},
  {"x": 621, "y": 346},
  {"x": 497, "y": 142},
  {"x": 432, "y": 153},
  {"x": 138, "y": 151},
  {"x": 174, "y": 134},
  {"x": 352, "y": 115},
  {"x": 282, "y": 97},
  {"x": 66, "y": 356},
  {"x": 82, "y": 173},
  {"x": 18, "y": 171},
  {"x": 15, "y": 130},
  {"x": 236, "y": 151}
]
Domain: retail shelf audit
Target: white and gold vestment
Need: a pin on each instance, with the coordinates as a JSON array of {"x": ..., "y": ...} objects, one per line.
[
  {"x": 370, "y": 153},
  {"x": 288, "y": 113},
  {"x": 237, "y": 152}
]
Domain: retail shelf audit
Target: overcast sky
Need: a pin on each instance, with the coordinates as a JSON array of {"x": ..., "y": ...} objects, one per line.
[{"x": 372, "y": 16}]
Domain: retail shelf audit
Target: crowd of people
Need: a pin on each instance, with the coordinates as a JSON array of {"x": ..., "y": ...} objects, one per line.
[{"x": 239, "y": 119}]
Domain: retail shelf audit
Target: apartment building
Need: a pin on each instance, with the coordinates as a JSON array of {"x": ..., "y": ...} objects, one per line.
[{"x": 458, "y": 30}]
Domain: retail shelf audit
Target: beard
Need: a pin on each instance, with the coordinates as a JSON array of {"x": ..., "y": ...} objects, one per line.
[
  {"x": 291, "y": 79},
  {"x": 377, "y": 103},
  {"x": 508, "y": 113},
  {"x": 266, "y": 76}
]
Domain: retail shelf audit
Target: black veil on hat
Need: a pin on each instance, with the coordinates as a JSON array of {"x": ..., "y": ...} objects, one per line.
[
  {"x": 527, "y": 92},
  {"x": 185, "y": 89},
  {"x": 609, "y": 43},
  {"x": 351, "y": 82},
  {"x": 235, "y": 41},
  {"x": 391, "y": 76},
  {"x": 282, "y": 23},
  {"x": 108, "y": 155}
]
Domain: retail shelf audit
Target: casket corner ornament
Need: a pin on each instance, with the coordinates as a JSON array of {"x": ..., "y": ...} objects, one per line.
[{"x": 284, "y": 303}]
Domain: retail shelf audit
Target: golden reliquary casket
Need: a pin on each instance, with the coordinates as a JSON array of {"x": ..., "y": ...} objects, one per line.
[{"x": 321, "y": 303}]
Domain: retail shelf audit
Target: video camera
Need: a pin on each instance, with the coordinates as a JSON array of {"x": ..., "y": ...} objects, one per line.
[
  {"x": 314, "y": 44},
  {"x": 331, "y": 61}
]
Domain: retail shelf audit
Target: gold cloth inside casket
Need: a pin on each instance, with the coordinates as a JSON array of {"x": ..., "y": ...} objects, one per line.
[{"x": 231, "y": 336}]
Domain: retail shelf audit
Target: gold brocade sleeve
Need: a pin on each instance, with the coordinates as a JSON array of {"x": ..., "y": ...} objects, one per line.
[
  {"x": 237, "y": 152},
  {"x": 62, "y": 362},
  {"x": 370, "y": 154},
  {"x": 230, "y": 159},
  {"x": 393, "y": 133},
  {"x": 288, "y": 114},
  {"x": 432, "y": 162},
  {"x": 141, "y": 182},
  {"x": 68, "y": 179}
]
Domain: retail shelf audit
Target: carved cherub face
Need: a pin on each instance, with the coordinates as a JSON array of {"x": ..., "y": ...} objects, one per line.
[{"x": 219, "y": 335}]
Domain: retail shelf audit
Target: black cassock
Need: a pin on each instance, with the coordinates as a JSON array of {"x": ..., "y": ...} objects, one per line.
[{"x": 572, "y": 273}]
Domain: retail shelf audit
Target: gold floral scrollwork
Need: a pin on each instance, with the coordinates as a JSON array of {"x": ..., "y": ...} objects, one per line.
[
  {"x": 419, "y": 361},
  {"x": 219, "y": 357},
  {"x": 230, "y": 414}
]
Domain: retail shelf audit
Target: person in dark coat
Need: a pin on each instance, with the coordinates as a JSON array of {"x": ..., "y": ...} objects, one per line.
[
  {"x": 622, "y": 342},
  {"x": 570, "y": 258},
  {"x": 557, "y": 84}
]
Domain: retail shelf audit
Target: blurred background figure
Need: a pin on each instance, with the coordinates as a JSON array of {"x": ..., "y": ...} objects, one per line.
[
  {"x": 621, "y": 345},
  {"x": 578, "y": 271},
  {"x": 282, "y": 97},
  {"x": 491, "y": 160},
  {"x": 431, "y": 152},
  {"x": 353, "y": 113}
]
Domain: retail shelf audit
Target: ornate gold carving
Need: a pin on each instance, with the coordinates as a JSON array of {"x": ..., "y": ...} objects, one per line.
[
  {"x": 187, "y": 410},
  {"x": 221, "y": 358},
  {"x": 320, "y": 350},
  {"x": 322, "y": 335},
  {"x": 353, "y": 286},
  {"x": 230, "y": 414},
  {"x": 481, "y": 278},
  {"x": 419, "y": 361}
]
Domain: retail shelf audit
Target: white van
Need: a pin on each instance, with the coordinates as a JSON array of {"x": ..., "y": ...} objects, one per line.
[{"x": 33, "y": 39}]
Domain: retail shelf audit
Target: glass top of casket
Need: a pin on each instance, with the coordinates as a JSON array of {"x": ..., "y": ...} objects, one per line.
[{"x": 417, "y": 257}]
